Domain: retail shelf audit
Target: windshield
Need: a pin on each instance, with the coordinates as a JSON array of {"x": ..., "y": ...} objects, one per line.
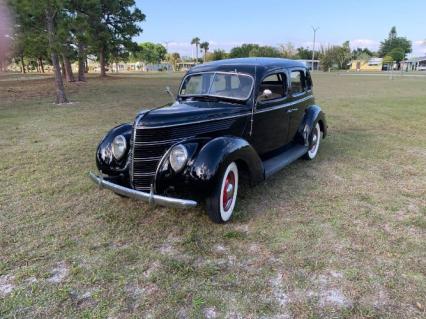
[{"x": 218, "y": 84}]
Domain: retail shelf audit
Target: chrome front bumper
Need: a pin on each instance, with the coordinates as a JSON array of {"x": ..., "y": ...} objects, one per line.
[{"x": 147, "y": 197}]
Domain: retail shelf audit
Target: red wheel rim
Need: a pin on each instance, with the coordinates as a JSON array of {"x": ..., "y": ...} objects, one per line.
[{"x": 228, "y": 191}]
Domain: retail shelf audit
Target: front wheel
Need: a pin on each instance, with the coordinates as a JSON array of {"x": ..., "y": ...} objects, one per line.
[
  {"x": 315, "y": 143},
  {"x": 220, "y": 205}
]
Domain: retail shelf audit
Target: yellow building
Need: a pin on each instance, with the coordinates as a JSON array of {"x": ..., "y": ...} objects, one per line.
[{"x": 373, "y": 64}]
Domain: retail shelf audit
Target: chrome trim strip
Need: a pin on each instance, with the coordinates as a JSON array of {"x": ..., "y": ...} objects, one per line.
[
  {"x": 146, "y": 159},
  {"x": 143, "y": 174},
  {"x": 147, "y": 197},
  {"x": 273, "y": 108},
  {"x": 159, "y": 142}
]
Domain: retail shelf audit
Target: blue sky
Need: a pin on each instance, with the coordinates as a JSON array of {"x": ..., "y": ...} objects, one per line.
[{"x": 227, "y": 23}]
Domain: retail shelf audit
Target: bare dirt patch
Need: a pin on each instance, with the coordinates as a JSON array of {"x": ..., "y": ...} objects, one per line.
[
  {"x": 59, "y": 273},
  {"x": 6, "y": 284}
]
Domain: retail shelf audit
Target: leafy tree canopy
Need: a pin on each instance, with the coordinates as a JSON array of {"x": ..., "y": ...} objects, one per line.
[
  {"x": 392, "y": 42},
  {"x": 397, "y": 54},
  {"x": 254, "y": 50},
  {"x": 217, "y": 55},
  {"x": 149, "y": 52}
]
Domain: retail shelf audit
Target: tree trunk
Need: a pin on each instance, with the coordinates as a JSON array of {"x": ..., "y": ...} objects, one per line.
[
  {"x": 59, "y": 84},
  {"x": 102, "y": 61},
  {"x": 68, "y": 68},
  {"x": 22, "y": 65},
  {"x": 86, "y": 66},
  {"x": 81, "y": 64},
  {"x": 41, "y": 64}
]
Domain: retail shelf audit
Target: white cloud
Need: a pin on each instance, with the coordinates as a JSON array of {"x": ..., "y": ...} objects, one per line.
[
  {"x": 365, "y": 43},
  {"x": 419, "y": 48}
]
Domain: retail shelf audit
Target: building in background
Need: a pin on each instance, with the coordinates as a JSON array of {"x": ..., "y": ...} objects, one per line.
[
  {"x": 414, "y": 64},
  {"x": 373, "y": 64}
]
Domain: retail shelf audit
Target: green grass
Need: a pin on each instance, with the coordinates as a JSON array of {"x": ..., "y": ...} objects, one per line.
[{"x": 341, "y": 236}]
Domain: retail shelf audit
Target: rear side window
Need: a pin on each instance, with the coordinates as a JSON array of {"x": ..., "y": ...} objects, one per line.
[
  {"x": 277, "y": 84},
  {"x": 298, "y": 84}
]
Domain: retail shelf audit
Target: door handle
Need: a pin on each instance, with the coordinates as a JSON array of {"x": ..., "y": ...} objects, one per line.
[{"x": 291, "y": 110}]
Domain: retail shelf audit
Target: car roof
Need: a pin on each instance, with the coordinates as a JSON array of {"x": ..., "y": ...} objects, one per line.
[{"x": 253, "y": 66}]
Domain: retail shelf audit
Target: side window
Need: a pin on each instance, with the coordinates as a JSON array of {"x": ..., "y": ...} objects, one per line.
[
  {"x": 277, "y": 84},
  {"x": 298, "y": 84}
]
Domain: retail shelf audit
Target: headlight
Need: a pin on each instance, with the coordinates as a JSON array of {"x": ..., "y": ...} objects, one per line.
[
  {"x": 178, "y": 157},
  {"x": 119, "y": 146}
]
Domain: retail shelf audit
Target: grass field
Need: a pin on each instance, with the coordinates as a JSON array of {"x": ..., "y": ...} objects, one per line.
[{"x": 343, "y": 236}]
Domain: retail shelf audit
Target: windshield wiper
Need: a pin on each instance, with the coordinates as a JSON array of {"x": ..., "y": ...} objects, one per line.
[
  {"x": 215, "y": 98},
  {"x": 205, "y": 97}
]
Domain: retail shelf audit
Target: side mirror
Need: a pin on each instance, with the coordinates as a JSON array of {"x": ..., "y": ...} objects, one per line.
[{"x": 267, "y": 93}]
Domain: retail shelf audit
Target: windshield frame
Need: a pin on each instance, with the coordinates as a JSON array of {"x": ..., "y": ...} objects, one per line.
[{"x": 215, "y": 95}]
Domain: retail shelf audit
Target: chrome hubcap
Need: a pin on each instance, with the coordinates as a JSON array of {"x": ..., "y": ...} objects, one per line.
[{"x": 228, "y": 191}]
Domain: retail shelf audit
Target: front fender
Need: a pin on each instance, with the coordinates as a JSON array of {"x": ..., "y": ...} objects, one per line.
[
  {"x": 104, "y": 159},
  {"x": 217, "y": 153}
]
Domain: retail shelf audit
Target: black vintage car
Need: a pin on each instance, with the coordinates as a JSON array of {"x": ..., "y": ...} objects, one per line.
[{"x": 240, "y": 117}]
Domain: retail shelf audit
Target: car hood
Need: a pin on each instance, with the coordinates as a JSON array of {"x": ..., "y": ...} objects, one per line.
[{"x": 189, "y": 112}]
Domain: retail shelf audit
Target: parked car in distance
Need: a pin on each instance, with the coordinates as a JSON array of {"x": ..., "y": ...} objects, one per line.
[{"x": 232, "y": 118}]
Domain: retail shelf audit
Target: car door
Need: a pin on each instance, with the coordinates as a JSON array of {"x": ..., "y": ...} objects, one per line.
[
  {"x": 300, "y": 95},
  {"x": 270, "y": 120}
]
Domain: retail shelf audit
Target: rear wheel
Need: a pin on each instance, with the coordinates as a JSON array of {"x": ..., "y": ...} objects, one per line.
[
  {"x": 315, "y": 142},
  {"x": 221, "y": 204}
]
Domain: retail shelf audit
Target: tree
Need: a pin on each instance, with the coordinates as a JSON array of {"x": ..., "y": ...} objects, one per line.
[
  {"x": 392, "y": 42},
  {"x": 242, "y": 51},
  {"x": 5, "y": 34},
  {"x": 336, "y": 56},
  {"x": 40, "y": 17},
  {"x": 205, "y": 47},
  {"x": 343, "y": 56},
  {"x": 265, "y": 51},
  {"x": 304, "y": 53},
  {"x": 288, "y": 50},
  {"x": 174, "y": 59},
  {"x": 361, "y": 53},
  {"x": 80, "y": 31},
  {"x": 196, "y": 41},
  {"x": 151, "y": 53},
  {"x": 397, "y": 54},
  {"x": 254, "y": 50},
  {"x": 112, "y": 24},
  {"x": 217, "y": 55}
]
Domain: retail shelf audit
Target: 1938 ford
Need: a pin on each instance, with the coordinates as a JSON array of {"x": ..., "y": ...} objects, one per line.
[{"x": 235, "y": 117}]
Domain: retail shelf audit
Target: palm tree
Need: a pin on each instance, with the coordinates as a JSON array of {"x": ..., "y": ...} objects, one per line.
[
  {"x": 205, "y": 47},
  {"x": 196, "y": 41}
]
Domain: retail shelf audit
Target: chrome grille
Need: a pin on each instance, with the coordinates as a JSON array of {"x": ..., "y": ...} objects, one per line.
[{"x": 150, "y": 144}]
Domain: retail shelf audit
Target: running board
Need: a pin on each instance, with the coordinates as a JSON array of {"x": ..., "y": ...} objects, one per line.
[{"x": 280, "y": 161}]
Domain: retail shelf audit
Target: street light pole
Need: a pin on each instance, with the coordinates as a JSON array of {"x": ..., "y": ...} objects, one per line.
[{"x": 315, "y": 29}]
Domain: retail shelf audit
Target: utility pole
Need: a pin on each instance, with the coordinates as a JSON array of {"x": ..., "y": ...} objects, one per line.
[{"x": 315, "y": 29}]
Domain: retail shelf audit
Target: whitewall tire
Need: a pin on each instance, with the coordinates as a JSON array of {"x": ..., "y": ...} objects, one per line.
[
  {"x": 315, "y": 144},
  {"x": 221, "y": 204}
]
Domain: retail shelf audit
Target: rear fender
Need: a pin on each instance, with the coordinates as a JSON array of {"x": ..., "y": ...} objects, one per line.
[{"x": 313, "y": 115}]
